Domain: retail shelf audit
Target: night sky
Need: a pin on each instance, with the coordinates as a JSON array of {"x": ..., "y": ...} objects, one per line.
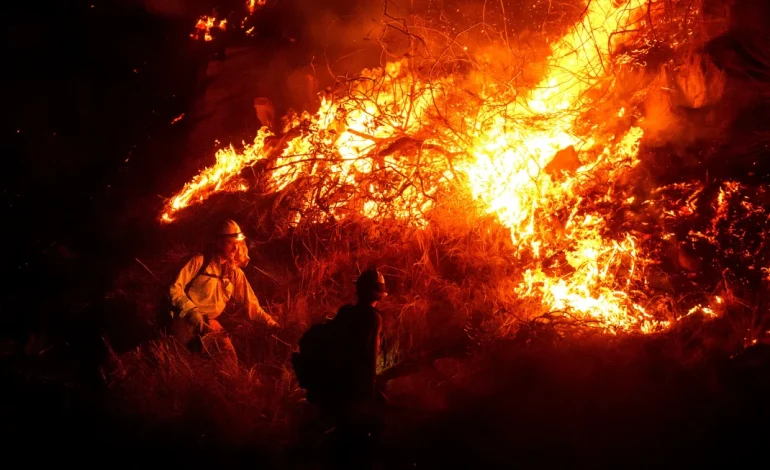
[{"x": 87, "y": 136}]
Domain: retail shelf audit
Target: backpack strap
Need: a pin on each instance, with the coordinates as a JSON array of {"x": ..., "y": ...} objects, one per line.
[
  {"x": 173, "y": 310},
  {"x": 201, "y": 271}
]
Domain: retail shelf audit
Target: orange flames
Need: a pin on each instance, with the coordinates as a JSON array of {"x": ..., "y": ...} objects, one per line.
[
  {"x": 251, "y": 5},
  {"x": 528, "y": 160},
  {"x": 204, "y": 26},
  {"x": 206, "y": 23}
]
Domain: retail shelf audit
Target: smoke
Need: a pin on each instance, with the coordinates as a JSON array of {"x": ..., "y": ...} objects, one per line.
[
  {"x": 713, "y": 95},
  {"x": 166, "y": 7},
  {"x": 172, "y": 8},
  {"x": 298, "y": 48},
  {"x": 315, "y": 44},
  {"x": 684, "y": 102},
  {"x": 343, "y": 35},
  {"x": 304, "y": 46}
]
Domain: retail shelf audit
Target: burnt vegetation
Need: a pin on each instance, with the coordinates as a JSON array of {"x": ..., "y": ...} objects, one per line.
[{"x": 483, "y": 377}]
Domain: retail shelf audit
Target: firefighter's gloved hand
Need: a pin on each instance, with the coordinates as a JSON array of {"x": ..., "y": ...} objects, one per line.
[{"x": 198, "y": 321}]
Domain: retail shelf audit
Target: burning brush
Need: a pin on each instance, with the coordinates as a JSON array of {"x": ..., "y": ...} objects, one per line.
[
  {"x": 208, "y": 23},
  {"x": 556, "y": 164}
]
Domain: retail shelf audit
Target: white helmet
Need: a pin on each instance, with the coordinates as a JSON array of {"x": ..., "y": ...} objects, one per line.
[{"x": 230, "y": 228}]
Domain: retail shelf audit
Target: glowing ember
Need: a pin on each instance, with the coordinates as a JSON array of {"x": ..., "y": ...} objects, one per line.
[
  {"x": 205, "y": 25},
  {"x": 251, "y": 5},
  {"x": 525, "y": 159}
]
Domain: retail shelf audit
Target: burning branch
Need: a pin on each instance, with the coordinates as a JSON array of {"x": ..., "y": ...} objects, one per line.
[{"x": 398, "y": 142}]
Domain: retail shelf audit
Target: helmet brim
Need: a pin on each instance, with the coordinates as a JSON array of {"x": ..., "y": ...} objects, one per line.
[{"x": 235, "y": 236}]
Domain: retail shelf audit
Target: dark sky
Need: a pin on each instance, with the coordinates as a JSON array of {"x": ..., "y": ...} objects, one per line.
[{"x": 89, "y": 94}]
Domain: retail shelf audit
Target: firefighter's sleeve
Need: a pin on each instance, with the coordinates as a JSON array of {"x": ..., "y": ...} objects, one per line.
[
  {"x": 179, "y": 298},
  {"x": 244, "y": 294}
]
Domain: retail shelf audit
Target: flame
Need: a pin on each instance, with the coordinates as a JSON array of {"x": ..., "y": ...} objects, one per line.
[
  {"x": 504, "y": 157},
  {"x": 222, "y": 176},
  {"x": 251, "y": 5},
  {"x": 204, "y": 26},
  {"x": 507, "y": 175},
  {"x": 206, "y": 23}
]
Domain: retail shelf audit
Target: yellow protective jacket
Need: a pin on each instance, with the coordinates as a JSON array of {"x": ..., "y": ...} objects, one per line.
[{"x": 211, "y": 288}]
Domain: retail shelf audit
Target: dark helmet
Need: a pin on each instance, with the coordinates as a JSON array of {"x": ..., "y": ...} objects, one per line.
[{"x": 371, "y": 285}]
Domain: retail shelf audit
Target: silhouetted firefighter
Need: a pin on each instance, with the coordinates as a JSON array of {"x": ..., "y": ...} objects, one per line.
[
  {"x": 337, "y": 365},
  {"x": 204, "y": 287}
]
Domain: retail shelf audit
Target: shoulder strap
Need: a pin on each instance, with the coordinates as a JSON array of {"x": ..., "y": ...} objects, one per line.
[
  {"x": 205, "y": 265},
  {"x": 201, "y": 270}
]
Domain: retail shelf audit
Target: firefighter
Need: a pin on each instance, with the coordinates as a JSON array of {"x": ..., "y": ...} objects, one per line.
[
  {"x": 359, "y": 326},
  {"x": 355, "y": 404},
  {"x": 203, "y": 288}
]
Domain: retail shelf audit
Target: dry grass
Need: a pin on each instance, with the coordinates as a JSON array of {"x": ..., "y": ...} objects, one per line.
[
  {"x": 450, "y": 305},
  {"x": 167, "y": 385},
  {"x": 451, "y": 286},
  {"x": 449, "y": 291}
]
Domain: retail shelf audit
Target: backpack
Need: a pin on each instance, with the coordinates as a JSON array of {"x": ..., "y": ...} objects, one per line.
[{"x": 316, "y": 365}]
